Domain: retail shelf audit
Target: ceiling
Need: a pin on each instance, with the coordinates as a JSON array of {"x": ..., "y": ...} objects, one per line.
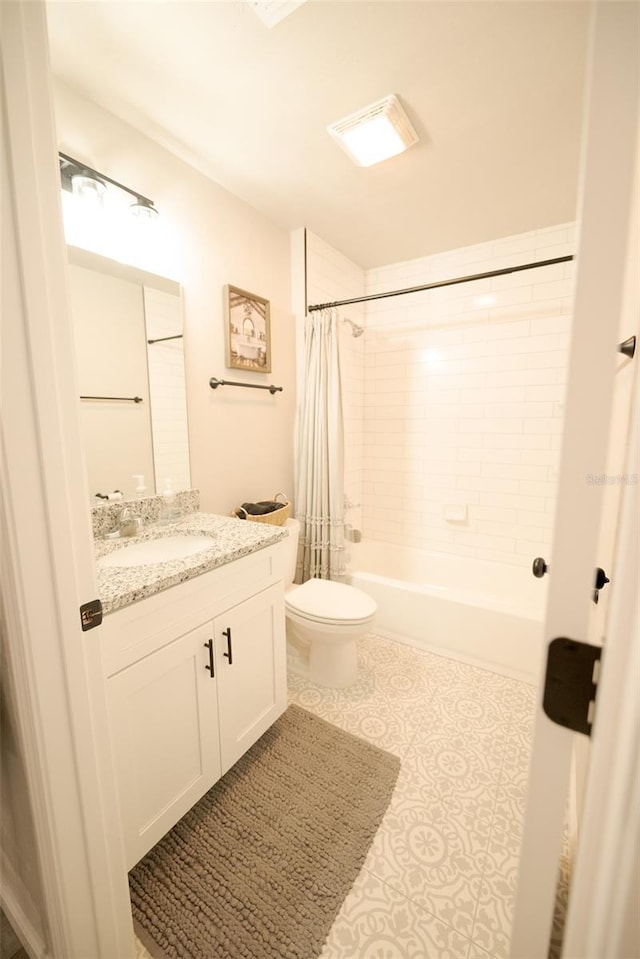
[{"x": 494, "y": 90}]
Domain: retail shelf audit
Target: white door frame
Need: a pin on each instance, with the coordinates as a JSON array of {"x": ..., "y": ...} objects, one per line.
[
  {"x": 609, "y": 155},
  {"x": 602, "y": 918},
  {"x": 47, "y": 551}
]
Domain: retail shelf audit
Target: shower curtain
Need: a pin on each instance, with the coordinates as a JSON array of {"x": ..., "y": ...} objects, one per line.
[{"x": 319, "y": 485}]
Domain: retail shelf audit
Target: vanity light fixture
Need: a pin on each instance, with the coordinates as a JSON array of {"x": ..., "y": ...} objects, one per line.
[
  {"x": 375, "y": 133},
  {"x": 85, "y": 182}
]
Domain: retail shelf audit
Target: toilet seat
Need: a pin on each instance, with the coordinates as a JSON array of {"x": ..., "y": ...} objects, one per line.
[{"x": 318, "y": 597}]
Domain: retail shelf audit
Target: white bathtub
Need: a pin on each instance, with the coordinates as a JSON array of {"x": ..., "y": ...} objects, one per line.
[{"x": 485, "y": 613}]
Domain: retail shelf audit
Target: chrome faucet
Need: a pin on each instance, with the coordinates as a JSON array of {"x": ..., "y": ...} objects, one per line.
[{"x": 127, "y": 524}]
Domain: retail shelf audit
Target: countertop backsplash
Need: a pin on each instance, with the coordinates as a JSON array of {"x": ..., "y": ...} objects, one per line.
[{"x": 104, "y": 516}]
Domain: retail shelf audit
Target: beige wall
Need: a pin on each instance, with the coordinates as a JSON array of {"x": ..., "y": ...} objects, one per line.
[{"x": 241, "y": 440}]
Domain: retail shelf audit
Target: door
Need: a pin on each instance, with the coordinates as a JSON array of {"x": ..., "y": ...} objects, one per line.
[
  {"x": 609, "y": 157},
  {"x": 164, "y": 722},
  {"x": 46, "y": 549},
  {"x": 251, "y": 670},
  {"x": 614, "y": 484}
]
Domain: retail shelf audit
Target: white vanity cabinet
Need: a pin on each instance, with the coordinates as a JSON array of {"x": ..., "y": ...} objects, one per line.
[
  {"x": 175, "y": 728},
  {"x": 164, "y": 736},
  {"x": 250, "y": 658}
]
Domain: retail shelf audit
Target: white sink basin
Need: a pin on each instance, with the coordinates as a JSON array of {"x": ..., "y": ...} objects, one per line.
[{"x": 156, "y": 551}]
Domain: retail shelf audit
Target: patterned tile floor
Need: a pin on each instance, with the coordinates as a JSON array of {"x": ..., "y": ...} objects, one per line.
[{"x": 439, "y": 879}]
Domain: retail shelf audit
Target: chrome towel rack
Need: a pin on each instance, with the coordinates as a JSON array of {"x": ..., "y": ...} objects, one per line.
[
  {"x": 163, "y": 339},
  {"x": 115, "y": 399},
  {"x": 214, "y": 383}
]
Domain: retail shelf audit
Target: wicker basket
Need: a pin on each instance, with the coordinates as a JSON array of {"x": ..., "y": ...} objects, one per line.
[{"x": 276, "y": 518}]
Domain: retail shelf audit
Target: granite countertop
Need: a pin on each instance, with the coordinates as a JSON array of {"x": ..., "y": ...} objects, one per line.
[{"x": 230, "y": 539}]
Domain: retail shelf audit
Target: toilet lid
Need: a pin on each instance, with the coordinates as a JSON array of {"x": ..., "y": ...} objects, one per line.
[{"x": 328, "y": 602}]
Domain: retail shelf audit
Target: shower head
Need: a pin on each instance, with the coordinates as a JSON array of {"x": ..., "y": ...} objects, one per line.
[{"x": 355, "y": 329}]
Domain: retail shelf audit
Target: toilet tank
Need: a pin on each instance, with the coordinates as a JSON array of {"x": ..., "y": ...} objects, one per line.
[{"x": 291, "y": 546}]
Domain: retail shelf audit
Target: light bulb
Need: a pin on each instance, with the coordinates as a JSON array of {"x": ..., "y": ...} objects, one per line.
[
  {"x": 87, "y": 187},
  {"x": 144, "y": 209}
]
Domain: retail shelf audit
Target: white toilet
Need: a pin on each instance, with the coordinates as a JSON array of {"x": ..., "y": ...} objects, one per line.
[{"x": 324, "y": 622}]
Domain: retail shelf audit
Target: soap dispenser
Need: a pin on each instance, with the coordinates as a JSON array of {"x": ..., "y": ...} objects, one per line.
[
  {"x": 141, "y": 489},
  {"x": 170, "y": 512}
]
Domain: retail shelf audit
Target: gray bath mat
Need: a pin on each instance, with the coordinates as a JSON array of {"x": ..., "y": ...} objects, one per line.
[{"x": 259, "y": 868}]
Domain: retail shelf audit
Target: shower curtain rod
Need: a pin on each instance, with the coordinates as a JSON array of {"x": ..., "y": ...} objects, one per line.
[{"x": 439, "y": 283}]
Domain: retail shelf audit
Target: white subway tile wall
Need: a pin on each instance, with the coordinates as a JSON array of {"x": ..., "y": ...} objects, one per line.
[{"x": 462, "y": 395}]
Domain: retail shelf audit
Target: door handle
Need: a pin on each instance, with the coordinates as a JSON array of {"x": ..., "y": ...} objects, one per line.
[
  {"x": 228, "y": 654},
  {"x": 209, "y": 646},
  {"x": 601, "y": 580},
  {"x": 539, "y": 567}
]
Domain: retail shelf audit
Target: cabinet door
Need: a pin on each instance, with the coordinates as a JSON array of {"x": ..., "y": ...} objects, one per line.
[
  {"x": 251, "y": 670},
  {"x": 164, "y": 725}
]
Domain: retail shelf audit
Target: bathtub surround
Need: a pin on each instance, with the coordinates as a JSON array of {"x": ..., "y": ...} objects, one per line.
[
  {"x": 261, "y": 865},
  {"x": 461, "y": 395},
  {"x": 464, "y": 389},
  {"x": 319, "y": 487}
]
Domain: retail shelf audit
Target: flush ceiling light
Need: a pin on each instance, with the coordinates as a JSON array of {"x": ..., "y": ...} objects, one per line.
[
  {"x": 375, "y": 133},
  {"x": 272, "y": 12}
]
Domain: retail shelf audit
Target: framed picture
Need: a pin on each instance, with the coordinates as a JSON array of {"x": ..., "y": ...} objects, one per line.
[{"x": 248, "y": 331}]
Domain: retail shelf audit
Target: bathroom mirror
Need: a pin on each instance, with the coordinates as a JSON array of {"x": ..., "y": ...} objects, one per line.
[{"x": 127, "y": 328}]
